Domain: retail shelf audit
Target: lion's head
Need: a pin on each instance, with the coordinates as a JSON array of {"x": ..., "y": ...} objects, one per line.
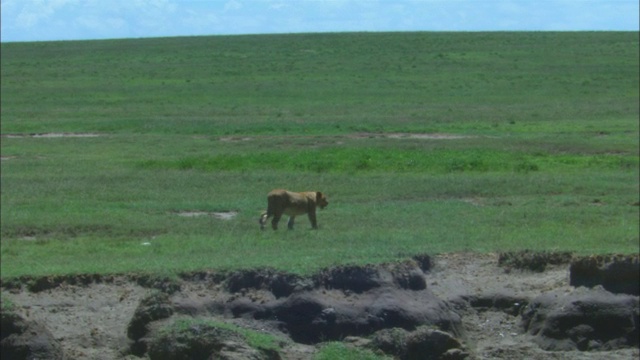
[{"x": 321, "y": 200}]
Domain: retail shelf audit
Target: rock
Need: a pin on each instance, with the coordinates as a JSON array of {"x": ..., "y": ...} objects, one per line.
[
  {"x": 410, "y": 279},
  {"x": 391, "y": 341},
  {"x": 390, "y": 308},
  {"x": 454, "y": 354},
  {"x": 281, "y": 284},
  {"x": 426, "y": 344},
  {"x": 44, "y": 283},
  {"x": 359, "y": 279},
  {"x": 423, "y": 261},
  {"x": 352, "y": 278},
  {"x": 617, "y": 273},
  {"x": 23, "y": 339},
  {"x": 587, "y": 319},
  {"x": 309, "y": 317}
]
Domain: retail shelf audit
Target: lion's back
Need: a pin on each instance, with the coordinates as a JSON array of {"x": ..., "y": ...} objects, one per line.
[{"x": 280, "y": 200}]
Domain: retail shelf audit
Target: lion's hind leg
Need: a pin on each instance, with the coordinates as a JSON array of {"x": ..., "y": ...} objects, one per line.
[
  {"x": 273, "y": 212},
  {"x": 275, "y": 220}
]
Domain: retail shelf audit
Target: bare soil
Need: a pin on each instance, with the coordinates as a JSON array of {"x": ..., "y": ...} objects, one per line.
[
  {"x": 222, "y": 215},
  {"x": 90, "y": 318},
  {"x": 51, "y": 135},
  {"x": 368, "y": 135}
]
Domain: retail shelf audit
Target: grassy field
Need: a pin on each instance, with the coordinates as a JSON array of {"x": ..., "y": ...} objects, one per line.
[{"x": 540, "y": 152}]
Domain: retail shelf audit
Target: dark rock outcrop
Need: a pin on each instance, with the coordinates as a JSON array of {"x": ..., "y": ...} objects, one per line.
[
  {"x": 423, "y": 343},
  {"x": 342, "y": 301},
  {"x": 316, "y": 316},
  {"x": 587, "y": 319}
]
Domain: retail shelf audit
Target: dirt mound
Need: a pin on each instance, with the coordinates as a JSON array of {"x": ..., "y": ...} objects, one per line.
[
  {"x": 24, "y": 339},
  {"x": 587, "y": 319},
  {"x": 455, "y": 306},
  {"x": 188, "y": 340},
  {"x": 618, "y": 274},
  {"x": 279, "y": 283},
  {"x": 359, "y": 279},
  {"x": 337, "y": 302},
  {"x": 322, "y": 315},
  {"x": 532, "y": 260},
  {"x": 156, "y": 306},
  {"x": 43, "y": 283}
]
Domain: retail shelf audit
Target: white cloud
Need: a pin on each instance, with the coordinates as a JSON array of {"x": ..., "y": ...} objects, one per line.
[
  {"x": 278, "y": 5},
  {"x": 101, "y": 25},
  {"x": 34, "y": 11},
  {"x": 232, "y": 5},
  {"x": 199, "y": 21}
]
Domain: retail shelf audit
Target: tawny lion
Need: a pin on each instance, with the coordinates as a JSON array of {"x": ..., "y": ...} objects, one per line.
[{"x": 291, "y": 203}]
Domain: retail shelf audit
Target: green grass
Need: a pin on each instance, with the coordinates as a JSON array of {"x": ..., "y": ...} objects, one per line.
[
  {"x": 187, "y": 331},
  {"x": 337, "y": 350},
  {"x": 546, "y": 156},
  {"x": 321, "y": 83},
  {"x": 190, "y": 331}
]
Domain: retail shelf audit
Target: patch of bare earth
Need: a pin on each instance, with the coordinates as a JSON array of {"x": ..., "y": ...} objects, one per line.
[
  {"x": 433, "y": 136},
  {"x": 457, "y": 306},
  {"x": 51, "y": 135},
  {"x": 222, "y": 215},
  {"x": 369, "y": 135},
  {"x": 421, "y": 136},
  {"x": 235, "y": 138}
]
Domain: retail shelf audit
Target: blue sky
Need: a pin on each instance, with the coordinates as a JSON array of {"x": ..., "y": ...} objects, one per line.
[{"x": 43, "y": 20}]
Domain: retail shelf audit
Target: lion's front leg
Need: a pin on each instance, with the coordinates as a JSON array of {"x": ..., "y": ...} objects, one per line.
[{"x": 290, "y": 223}]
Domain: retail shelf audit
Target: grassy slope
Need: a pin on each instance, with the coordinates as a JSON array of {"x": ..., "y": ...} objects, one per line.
[
  {"x": 551, "y": 161},
  {"x": 320, "y": 83}
]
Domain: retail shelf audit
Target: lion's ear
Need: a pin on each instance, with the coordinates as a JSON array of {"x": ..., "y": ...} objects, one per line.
[{"x": 318, "y": 195}]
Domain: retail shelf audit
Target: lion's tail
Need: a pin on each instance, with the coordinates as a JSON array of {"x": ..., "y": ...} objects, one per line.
[{"x": 263, "y": 219}]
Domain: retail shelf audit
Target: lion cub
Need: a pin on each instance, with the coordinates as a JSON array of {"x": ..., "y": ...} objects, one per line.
[{"x": 292, "y": 204}]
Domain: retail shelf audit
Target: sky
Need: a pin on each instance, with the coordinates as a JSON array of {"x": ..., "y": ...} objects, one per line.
[{"x": 46, "y": 20}]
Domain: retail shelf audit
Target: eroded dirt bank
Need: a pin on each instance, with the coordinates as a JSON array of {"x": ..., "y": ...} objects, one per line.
[{"x": 453, "y": 306}]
